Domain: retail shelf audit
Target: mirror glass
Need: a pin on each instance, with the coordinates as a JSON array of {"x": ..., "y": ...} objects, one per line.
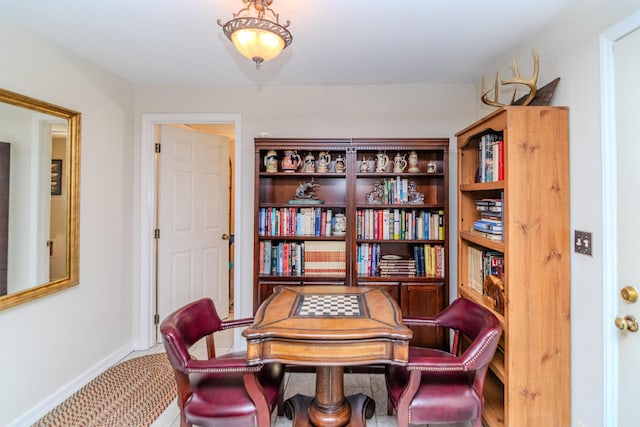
[{"x": 39, "y": 191}]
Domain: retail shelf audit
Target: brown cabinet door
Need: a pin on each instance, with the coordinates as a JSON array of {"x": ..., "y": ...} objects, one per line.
[
  {"x": 265, "y": 289},
  {"x": 392, "y": 288},
  {"x": 423, "y": 300}
]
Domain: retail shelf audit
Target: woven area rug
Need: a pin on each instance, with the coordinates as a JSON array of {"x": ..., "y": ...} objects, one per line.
[{"x": 132, "y": 393}]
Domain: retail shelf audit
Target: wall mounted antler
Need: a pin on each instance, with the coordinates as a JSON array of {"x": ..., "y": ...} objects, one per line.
[{"x": 517, "y": 79}]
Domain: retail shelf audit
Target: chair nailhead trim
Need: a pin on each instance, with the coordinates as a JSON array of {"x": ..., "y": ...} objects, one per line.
[{"x": 464, "y": 367}]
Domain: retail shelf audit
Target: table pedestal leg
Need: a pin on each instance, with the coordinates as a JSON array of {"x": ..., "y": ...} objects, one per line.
[{"x": 329, "y": 408}]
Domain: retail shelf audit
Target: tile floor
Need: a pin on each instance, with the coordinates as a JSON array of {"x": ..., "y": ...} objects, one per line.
[{"x": 304, "y": 383}]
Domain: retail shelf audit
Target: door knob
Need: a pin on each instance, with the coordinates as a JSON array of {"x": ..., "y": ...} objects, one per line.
[
  {"x": 628, "y": 323},
  {"x": 629, "y": 293},
  {"x": 225, "y": 236}
]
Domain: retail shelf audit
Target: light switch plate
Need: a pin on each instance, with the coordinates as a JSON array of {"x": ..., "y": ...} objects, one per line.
[{"x": 583, "y": 242}]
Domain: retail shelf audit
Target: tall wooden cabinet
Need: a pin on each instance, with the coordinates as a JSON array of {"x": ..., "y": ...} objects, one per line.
[
  {"x": 395, "y": 222},
  {"x": 528, "y": 383}
]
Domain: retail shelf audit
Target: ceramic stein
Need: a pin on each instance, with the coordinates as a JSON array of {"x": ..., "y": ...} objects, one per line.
[
  {"x": 382, "y": 160},
  {"x": 324, "y": 159},
  {"x": 364, "y": 165},
  {"x": 340, "y": 164},
  {"x": 309, "y": 164},
  {"x": 271, "y": 161},
  {"x": 340, "y": 225},
  {"x": 432, "y": 167},
  {"x": 413, "y": 162},
  {"x": 291, "y": 161},
  {"x": 399, "y": 163}
]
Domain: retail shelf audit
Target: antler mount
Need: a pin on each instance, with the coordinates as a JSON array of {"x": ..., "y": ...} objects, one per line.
[{"x": 517, "y": 80}]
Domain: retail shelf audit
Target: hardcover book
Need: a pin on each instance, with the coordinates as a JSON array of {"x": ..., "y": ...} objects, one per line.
[{"x": 324, "y": 258}]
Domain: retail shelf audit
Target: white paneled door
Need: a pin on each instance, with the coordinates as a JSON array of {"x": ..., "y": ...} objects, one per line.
[
  {"x": 627, "y": 107},
  {"x": 193, "y": 219}
]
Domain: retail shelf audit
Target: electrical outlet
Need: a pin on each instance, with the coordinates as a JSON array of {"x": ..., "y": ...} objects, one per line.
[
  {"x": 583, "y": 242},
  {"x": 579, "y": 424}
]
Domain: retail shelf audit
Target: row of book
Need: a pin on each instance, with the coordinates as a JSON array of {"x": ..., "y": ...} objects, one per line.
[
  {"x": 482, "y": 263},
  {"x": 399, "y": 224},
  {"x": 491, "y": 158},
  {"x": 395, "y": 191},
  {"x": 397, "y": 267},
  {"x": 292, "y": 221},
  {"x": 428, "y": 261},
  {"x": 298, "y": 258},
  {"x": 490, "y": 224}
]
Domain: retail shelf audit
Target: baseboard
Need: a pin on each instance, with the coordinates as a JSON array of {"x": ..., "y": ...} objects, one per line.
[{"x": 42, "y": 408}]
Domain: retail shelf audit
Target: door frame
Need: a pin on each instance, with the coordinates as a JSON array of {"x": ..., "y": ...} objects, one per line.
[
  {"x": 147, "y": 327},
  {"x": 609, "y": 213}
]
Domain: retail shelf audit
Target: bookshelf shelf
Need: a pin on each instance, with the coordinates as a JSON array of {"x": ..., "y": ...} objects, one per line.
[
  {"x": 526, "y": 215},
  {"x": 402, "y": 241},
  {"x": 431, "y": 206},
  {"x": 302, "y": 238},
  {"x": 410, "y": 198},
  {"x": 481, "y": 241},
  {"x": 287, "y": 205},
  {"x": 398, "y": 278},
  {"x": 482, "y": 186}
]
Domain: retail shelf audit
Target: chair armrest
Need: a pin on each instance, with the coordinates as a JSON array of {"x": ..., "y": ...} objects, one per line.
[
  {"x": 220, "y": 366},
  {"x": 235, "y": 323},
  {"x": 419, "y": 321},
  {"x": 438, "y": 364}
]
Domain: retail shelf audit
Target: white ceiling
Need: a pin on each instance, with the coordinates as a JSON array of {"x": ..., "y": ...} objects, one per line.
[{"x": 334, "y": 41}]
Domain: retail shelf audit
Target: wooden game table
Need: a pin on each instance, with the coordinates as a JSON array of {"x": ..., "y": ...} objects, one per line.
[{"x": 328, "y": 327}]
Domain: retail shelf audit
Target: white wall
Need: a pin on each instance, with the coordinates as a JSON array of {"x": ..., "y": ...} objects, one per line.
[
  {"x": 49, "y": 344},
  {"x": 320, "y": 111},
  {"x": 569, "y": 48}
]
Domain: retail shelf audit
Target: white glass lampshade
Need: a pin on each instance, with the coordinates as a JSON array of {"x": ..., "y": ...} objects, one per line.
[
  {"x": 256, "y": 32},
  {"x": 257, "y": 44}
]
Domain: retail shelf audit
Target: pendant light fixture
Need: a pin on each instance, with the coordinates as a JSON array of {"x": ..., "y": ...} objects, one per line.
[{"x": 256, "y": 32}]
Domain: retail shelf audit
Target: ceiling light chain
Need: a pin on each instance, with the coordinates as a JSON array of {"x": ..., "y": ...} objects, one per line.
[{"x": 254, "y": 35}]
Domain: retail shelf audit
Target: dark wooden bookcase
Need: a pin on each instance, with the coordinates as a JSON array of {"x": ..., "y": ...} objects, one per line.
[{"x": 418, "y": 293}]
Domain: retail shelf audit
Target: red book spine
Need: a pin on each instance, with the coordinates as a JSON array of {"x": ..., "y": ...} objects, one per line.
[{"x": 323, "y": 223}]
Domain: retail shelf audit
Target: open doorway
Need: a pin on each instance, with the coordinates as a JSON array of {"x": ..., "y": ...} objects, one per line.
[{"x": 221, "y": 124}]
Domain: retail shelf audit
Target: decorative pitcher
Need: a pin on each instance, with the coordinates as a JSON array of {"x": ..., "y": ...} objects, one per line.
[
  {"x": 340, "y": 164},
  {"x": 324, "y": 159},
  {"x": 309, "y": 164},
  {"x": 382, "y": 160},
  {"x": 291, "y": 161},
  {"x": 271, "y": 161},
  {"x": 399, "y": 163}
]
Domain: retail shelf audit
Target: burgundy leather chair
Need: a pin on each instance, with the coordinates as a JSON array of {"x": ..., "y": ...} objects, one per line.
[
  {"x": 441, "y": 387},
  {"x": 219, "y": 391}
]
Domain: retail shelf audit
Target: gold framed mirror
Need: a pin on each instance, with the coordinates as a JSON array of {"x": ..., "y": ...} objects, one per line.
[{"x": 39, "y": 198}]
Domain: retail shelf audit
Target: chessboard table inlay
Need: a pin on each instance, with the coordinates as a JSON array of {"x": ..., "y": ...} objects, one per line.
[{"x": 323, "y": 305}]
